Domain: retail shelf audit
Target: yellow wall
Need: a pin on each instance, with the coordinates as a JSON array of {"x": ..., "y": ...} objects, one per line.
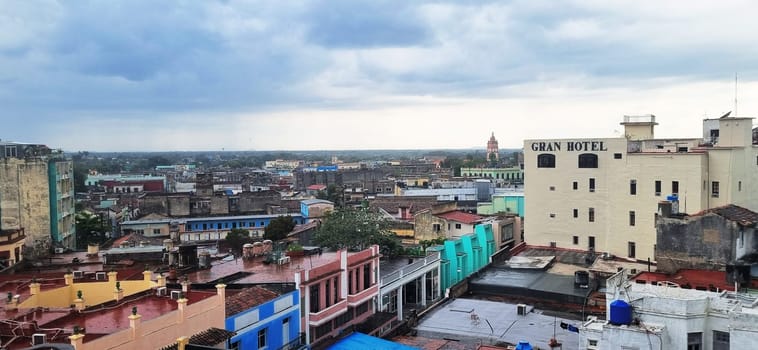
[{"x": 94, "y": 293}]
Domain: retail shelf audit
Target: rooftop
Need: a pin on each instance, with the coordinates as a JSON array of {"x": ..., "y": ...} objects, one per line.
[
  {"x": 209, "y": 337},
  {"x": 246, "y": 299},
  {"x": 460, "y": 216},
  {"x": 495, "y": 322},
  {"x": 259, "y": 271},
  {"x": 744, "y": 217}
]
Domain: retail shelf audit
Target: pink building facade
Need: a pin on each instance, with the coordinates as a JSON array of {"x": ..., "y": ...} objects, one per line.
[{"x": 339, "y": 294}]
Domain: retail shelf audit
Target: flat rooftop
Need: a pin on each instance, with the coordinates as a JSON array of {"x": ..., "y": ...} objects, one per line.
[
  {"x": 260, "y": 272},
  {"x": 497, "y": 322}
]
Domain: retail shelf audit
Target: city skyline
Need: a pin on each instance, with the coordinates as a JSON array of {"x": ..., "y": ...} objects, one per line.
[{"x": 145, "y": 76}]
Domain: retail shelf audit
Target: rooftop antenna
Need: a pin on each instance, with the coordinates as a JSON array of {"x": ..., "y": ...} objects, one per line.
[{"x": 735, "y": 94}]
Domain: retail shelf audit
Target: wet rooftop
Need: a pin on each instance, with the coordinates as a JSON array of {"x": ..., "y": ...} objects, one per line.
[
  {"x": 260, "y": 272},
  {"x": 495, "y": 322}
]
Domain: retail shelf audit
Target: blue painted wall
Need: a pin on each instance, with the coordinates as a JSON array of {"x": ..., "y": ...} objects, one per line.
[
  {"x": 228, "y": 223},
  {"x": 269, "y": 320}
]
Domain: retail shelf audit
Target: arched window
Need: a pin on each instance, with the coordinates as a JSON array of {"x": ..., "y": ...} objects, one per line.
[
  {"x": 546, "y": 160},
  {"x": 588, "y": 160}
]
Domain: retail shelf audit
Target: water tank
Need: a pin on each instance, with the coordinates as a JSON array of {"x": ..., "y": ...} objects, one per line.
[
  {"x": 621, "y": 312},
  {"x": 524, "y": 345}
]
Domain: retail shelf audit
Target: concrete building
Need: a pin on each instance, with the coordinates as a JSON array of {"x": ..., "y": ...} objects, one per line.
[
  {"x": 512, "y": 175},
  {"x": 263, "y": 319},
  {"x": 712, "y": 239},
  {"x": 410, "y": 284},
  {"x": 11, "y": 247},
  {"x": 669, "y": 317},
  {"x": 338, "y": 295},
  {"x": 123, "y": 183},
  {"x": 203, "y": 228},
  {"x": 506, "y": 203},
  {"x": 110, "y": 310},
  {"x": 37, "y": 195},
  {"x": 602, "y": 194}
]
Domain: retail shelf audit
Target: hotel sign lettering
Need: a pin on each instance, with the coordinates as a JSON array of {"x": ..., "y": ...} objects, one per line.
[{"x": 569, "y": 146}]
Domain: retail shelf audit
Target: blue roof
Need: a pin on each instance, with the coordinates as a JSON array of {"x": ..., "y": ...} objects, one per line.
[{"x": 362, "y": 341}]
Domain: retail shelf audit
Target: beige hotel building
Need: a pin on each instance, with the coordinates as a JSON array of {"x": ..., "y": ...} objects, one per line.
[{"x": 603, "y": 193}]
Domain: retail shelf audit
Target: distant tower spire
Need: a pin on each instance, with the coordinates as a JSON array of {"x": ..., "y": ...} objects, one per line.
[{"x": 492, "y": 149}]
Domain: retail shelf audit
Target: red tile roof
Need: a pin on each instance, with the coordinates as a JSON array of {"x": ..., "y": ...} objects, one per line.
[
  {"x": 209, "y": 337},
  {"x": 248, "y": 298},
  {"x": 316, "y": 187},
  {"x": 460, "y": 216},
  {"x": 742, "y": 216}
]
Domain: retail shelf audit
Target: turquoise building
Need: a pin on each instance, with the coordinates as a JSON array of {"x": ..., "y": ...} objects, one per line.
[
  {"x": 511, "y": 203},
  {"x": 463, "y": 256}
]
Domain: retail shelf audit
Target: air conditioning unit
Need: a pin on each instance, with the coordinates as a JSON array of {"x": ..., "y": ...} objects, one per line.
[
  {"x": 101, "y": 276},
  {"x": 175, "y": 294},
  {"x": 521, "y": 309},
  {"x": 60, "y": 250},
  {"x": 39, "y": 338},
  {"x": 78, "y": 274},
  {"x": 161, "y": 292}
]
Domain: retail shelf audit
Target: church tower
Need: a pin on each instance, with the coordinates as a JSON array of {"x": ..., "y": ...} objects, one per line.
[{"x": 492, "y": 151}]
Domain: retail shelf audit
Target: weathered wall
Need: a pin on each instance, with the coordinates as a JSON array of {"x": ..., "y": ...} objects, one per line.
[
  {"x": 219, "y": 205},
  {"x": 424, "y": 226},
  {"x": 698, "y": 242}
]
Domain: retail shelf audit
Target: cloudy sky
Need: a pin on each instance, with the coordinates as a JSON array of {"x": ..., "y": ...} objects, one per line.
[{"x": 291, "y": 75}]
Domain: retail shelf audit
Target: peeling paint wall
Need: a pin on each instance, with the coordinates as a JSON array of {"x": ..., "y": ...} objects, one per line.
[
  {"x": 25, "y": 198},
  {"x": 700, "y": 242}
]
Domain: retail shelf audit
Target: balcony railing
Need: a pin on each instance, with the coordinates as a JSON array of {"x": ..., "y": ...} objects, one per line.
[
  {"x": 411, "y": 268},
  {"x": 295, "y": 344}
]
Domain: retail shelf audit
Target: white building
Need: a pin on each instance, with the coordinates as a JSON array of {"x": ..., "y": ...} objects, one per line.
[
  {"x": 669, "y": 317},
  {"x": 602, "y": 194}
]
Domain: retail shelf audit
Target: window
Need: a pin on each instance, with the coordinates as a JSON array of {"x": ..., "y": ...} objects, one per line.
[
  {"x": 657, "y": 187},
  {"x": 506, "y": 233},
  {"x": 576, "y": 240},
  {"x": 576, "y": 185},
  {"x": 328, "y": 295},
  {"x": 366, "y": 276},
  {"x": 362, "y": 308},
  {"x": 631, "y": 249},
  {"x": 351, "y": 282},
  {"x": 742, "y": 239},
  {"x": 675, "y": 187},
  {"x": 322, "y": 330},
  {"x": 739, "y": 185},
  {"x": 592, "y": 185},
  {"x": 576, "y": 213},
  {"x": 156, "y": 231},
  {"x": 714, "y": 189},
  {"x": 591, "y": 215},
  {"x": 235, "y": 346},
  {"x": 458, "y": 226},
  {"x": 720, "y": 340},
  {"x": 591, "y": 242},
  {"x": 552, "y": 188},
  {"x": 10, "y": 151},
  {"x": 436, "y": 227},
  {"x": 588, "y": 160},
  {"x": 314, "y": 298},
  {"x": 262, "y": 338},
  {"x": 617, "y": 156},
  {"x": 695, "y": 341},
  {"x": 552, "y": 215},
  {"x": 591, "y": 342},
  {"x": 633, "y": 187},
  {"x": 631, "y": 218},
  {"x": 335, "y": 290},
  {"x": 546, "y": 160}
]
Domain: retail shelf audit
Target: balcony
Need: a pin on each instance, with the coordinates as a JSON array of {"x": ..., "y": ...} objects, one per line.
[
  {"x": 318, "y": 318},
  {"x": 362, "y": 296}
]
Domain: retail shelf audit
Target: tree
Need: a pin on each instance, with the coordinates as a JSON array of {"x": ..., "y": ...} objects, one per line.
[
  {"x": 90, "y": 229},
  {"x": 356, "y": 229},
  {"x": 331, "y": 194},
  {"x": 278, "y": 228},
  {"x": 236, "y": 238}
]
